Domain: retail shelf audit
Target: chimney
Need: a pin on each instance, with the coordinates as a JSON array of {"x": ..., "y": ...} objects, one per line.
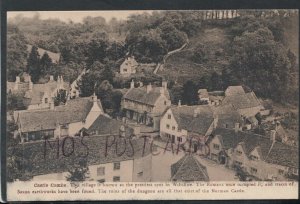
[
  {"x": 141, "y": 84},
  {"x": 18, "y": 79},
  {"x": 132, "y": 84},
  {"x": 149, "y": 88},
  {"x": 58, "y": 79},
  {"x": 124, "y": 120},
  {"x": 179, "y": 103},
  {"x": 277, "y": 126},
  {"x": 94, "y": 97},
  {"x": 273, "y": 135},
  {"x": 30, "y": 85},
  {"x": 61, "y": 80},
  {"x": 51, "y": 78},
  {"x": 236, "y": 127},
  {"x": 164, "y": 84},
  {"x": 162, "y": 91}
]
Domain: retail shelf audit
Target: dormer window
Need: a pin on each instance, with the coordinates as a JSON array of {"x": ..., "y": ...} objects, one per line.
[{"x": 169, "y": 116}]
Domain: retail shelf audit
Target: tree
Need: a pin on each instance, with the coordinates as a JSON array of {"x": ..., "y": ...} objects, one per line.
[
  {"x": 45, "y": 64},
  {"x": 261, "y": 63},
  {"x": 199, "y": 55},
  {"x": 33, "y": 64},
  {"x": 60, "y": 98},
  {"x": 190, "y": 93},
  {"x": 78, "y": 171}
]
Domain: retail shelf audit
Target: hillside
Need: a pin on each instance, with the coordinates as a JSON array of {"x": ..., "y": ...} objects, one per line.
[{"x": 180, "y": 66}]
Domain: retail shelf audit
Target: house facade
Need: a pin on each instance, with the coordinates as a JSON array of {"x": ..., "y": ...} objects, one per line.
[
  {"x": 180, "y": 122},
  {"x": 145, "y": 105},
  {"x": 261, "y": 157},
  {"x": 59, "y": 121},
  {"x": 128, "y": 67}
]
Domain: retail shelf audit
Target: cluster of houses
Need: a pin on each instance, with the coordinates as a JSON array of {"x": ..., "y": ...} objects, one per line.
[{"x": 223, "y": 123}]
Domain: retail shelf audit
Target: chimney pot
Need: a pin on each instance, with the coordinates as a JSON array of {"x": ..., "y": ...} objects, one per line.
[
  {"x": 51, "y": 78},
  {"x": 164, "y": 84},
  {"x": 18, "y": 79},
  {"x": 132, "y": 84},
  {"x": 179, "y": 103},
  {"x": 236, "y": 127}
]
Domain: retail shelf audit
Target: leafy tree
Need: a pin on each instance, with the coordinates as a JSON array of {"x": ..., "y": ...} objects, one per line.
[
  {"x": 45, "y": 63},
  {"x": 60, "y": 98},
  {"x": 199, "y": 55},
  {"x": 190, "y": 93},
  {"x": 78, "y": 171},
  {"x": 16, "y": 52},
  {"x": 33, "y": 64},
  {"x": 261, "y": 63},
  {"x": 15, "y": 102}
]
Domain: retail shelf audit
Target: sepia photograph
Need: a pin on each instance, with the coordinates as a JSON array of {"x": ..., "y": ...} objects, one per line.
[{"x": 169, "y": 96}]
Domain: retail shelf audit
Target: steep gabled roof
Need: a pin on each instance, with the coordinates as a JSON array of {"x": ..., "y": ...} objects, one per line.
[
  {"x": 271, "y": 152},
  {"x": 226, "y": 115},
  {"x": 187, "y": 120},
  {"x": 188, "y": 169},
  {"x": 73, "y": 111},
  {"x": 241, "y": 101},
  {"x": 140, "y": 95},
  {"x": 105, "y": 125},
  {"x": 94, "y": 151},
  {"x": 234, "y": 90}
]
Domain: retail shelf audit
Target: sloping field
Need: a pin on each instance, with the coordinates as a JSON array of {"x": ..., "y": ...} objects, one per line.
[{"x": 181, "y": 67}]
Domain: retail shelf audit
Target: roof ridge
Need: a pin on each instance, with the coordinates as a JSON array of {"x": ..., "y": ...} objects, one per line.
[{"x": 184, "y": 158}]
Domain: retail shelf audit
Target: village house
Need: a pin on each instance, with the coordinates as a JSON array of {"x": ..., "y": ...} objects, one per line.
[
  {"x": 74, "y": 87},
  {"x": 226, "y": 116},
  {"x": 20, "y": 86},
  {"x": 59, "y": 121},
  {"x": 41, "y": 96},
  {"x": 188, "y": 168},
  {"x": 119, "y": 162},
  {"x": 146, "y": 104},
  {"x": 181, "y": 122},
  {"x": 247, "y": 104},
  {"x": 262, "y": 157},
  {"x": 128, "y": 67},
  {"x": 213, "y": 98}
]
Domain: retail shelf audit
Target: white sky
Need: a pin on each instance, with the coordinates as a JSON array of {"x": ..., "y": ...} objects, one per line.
[{"x": 76, "y": 16}]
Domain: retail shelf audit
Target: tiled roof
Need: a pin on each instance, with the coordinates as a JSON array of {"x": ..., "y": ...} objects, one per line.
[
  {"x": 75, "y": 110},
  {"x": 140, "y": 95},
  {"x": 203, "y": 93},
  {"x": 188, "y": 169},
  {"x": 38, "y": 91},
  {"x": 227, "y": 115},
  {"x": 234, "y": 90},
  {"x": 93, "y": 150},
  {"x": 105, "y": 125},
  {"x": 185, "y": 118},
  {"x": 275, "y": 153},
  {"x": 241, "y": 101}
]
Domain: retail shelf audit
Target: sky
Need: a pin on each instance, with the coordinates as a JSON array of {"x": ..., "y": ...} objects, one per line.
[{"x": 75, "y": 16}]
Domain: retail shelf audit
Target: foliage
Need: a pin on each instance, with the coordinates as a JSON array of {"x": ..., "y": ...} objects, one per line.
[
  {"x": 15, "y": 102},
  {"x": 199, "y": 55},
  {"x": 60, "y": 98},
  {"x": 190, "y": 93},
  {"x": 78, "y": 171},
  {"x": 45, "y": 64},
  {"x": 33, "y": 64}
]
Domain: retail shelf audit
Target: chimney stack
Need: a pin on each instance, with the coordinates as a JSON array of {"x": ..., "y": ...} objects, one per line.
[
  {"x": 94, "y": 97},
  {"x": 236, "y": 127},
  {"x": 132, "y": 84},
  {"x": 141, "y": 84},
  {"x": 51, "y": 78},
  {"x": 149, "y": 88},
  {"x": 18, "y": 79},
  {"x": 162, "y": 90},
  {"x": 179, "y": 103},
  {"x": 273, "y": 135},
  {"x": 164, "y": 84}
]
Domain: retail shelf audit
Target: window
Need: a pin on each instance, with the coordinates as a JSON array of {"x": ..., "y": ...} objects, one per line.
[
  {"x": 140, "y": 174},
  {"x": 280, "y": 171},
  {"x": 253, "y": 157},
  {"x": 116, "y": 178},
  {"x": 169, "y": 116},
  {"x": 237, "y": 163},
  {"x": 253, "y": 170},
  {"x": 179, "y": 139},
  {"x": 165, "y": 102},
  {"x": 168, "y": 135},
  {"x": 100, "y": 171},
  {"x": 226, "y": 125},
  {"x": 168, "y": 126},
  {"x": 173, "y": 127},
  {"x": 46, "y": 100},
  {"x": 124, "y": 70},
  {"x": 101, "y": 180},
  {"x": 117, "y": 165},
  {"x": 216, "y": 146},
  {"x": 239, "y": 152}
]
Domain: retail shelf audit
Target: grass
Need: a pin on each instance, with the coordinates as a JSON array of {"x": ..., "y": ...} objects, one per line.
[{"x": 180, "y": 66}]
